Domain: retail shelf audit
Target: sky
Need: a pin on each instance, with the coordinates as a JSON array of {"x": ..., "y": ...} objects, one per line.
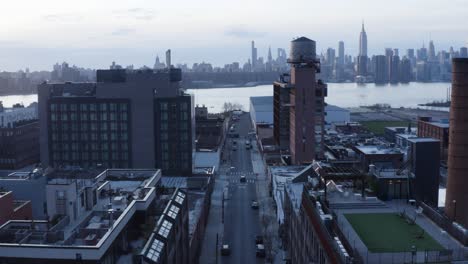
[{"x": 92, "y": 34}]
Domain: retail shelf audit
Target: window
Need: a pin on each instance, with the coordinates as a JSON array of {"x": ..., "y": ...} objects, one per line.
[
  {"x": 164, "y": 106},
  {"x": 123, "y": 107},
  {"x": 113, "y": 126},
  {"x": 113, "y": 107},
  {"x": 184, "y": 116},
  {"x": 84, "y": 107},
  {"x": 103, "y": 106}
]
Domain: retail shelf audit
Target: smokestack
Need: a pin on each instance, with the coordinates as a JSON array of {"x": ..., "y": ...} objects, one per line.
[{"x": 456, "y": 202}]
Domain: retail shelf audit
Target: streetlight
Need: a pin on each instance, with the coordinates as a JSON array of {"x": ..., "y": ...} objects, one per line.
[
  {"x": 413, "y": 253},
  {"x": 454, "y": 210}
]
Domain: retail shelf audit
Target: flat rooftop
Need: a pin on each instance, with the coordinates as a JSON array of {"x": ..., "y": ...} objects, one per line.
[
  {"x": 378, "y": 150},
  {"x": 397, "y": 236},
  {"x": 117, "y": 191}
]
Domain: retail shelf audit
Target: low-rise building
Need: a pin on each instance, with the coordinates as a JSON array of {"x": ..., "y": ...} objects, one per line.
[
  {"x": 429, "y": 128},
  {"x": 28, "y": 186},
  {"x": 19, "y": 137},
  {"x": 210, "y": 129},
  {"x": 379, "y": 155},
  {"x": 98, "y": 217},
  {"x": 329, "y": 218}
]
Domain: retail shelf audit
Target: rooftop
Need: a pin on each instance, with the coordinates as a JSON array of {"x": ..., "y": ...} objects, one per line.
[
  {"x": 120, "y": 193},
  {"x": 377, "y": 150},
  {"x": 420, "y": 139}
]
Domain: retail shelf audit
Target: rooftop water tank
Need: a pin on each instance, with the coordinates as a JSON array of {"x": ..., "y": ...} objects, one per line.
[{"x": 302, "y": 50}]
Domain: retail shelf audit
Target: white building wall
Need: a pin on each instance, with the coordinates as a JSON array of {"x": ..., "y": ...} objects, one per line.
[{"x": 336, "y": 115}]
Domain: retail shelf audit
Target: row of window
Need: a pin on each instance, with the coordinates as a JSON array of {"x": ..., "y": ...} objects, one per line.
[
  {"x": 95, "y": 156},
  {"x": 93, "y": 126},
  {"x": 65, "y": 136},
  {"x": 89, "y": 116},
  {"x": 89, "y": 146},
  {"x": 87, "y": 164},
  {"x": 88, "y": 107}
]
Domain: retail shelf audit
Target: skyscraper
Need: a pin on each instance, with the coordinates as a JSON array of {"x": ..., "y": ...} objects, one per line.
[
  {"x": 463, "y": 52},
  {"x": 331, "y": 56},
  {"x": 380, "y": 69},
  {"x": 362, "y": 57},
  {"x": 405, "y": 70},
  {"x": 270, "y": 58},
  {"x": 431, "y": 52},
  {"x": 363, "y": 42},
  {"x": 254, "y": 55},
  {"x": 341, "y": 53},
  {"x": 395, "y": 69}
]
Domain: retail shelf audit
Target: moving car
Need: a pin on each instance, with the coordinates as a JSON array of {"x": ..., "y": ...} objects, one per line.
[
  {"x": 243, "y": 178},
  {"x": 254, "y": 205},
  {"x": 260, "y": 250},
  {"x": 225, "y": 250}
]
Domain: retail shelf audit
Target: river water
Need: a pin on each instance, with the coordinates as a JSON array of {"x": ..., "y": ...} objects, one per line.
[{"x": 340, "y": 94}]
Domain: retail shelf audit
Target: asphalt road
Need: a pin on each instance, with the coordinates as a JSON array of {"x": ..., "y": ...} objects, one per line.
[{"x": 241, "y": 222}]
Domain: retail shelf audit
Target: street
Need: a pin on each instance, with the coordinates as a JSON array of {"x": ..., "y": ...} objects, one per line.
[
  {"x": 241, "y": 222},
  {"x": 235, "y": 223}
]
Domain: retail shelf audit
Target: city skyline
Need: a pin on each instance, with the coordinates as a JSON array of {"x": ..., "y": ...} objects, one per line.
[{"x": 136, "y": 32}]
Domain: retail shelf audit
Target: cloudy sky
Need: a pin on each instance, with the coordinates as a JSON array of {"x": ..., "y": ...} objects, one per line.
[{"x": 92, "y": 33}]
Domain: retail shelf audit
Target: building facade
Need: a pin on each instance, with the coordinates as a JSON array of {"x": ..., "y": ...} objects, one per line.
[
  {"x": 306, "y": 98},
  {"x": 117, "y": 121},
  {"x": 428, "y": 128},
  {"x": 19, "y": 136}
]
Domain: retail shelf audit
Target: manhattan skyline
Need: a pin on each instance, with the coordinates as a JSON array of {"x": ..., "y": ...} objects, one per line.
[{"x": 134, "y": 33}]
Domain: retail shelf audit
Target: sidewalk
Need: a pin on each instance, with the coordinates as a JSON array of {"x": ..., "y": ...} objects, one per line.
[
  {"x": 210, "y": 254},
  {"x": 267, "y": 211}
]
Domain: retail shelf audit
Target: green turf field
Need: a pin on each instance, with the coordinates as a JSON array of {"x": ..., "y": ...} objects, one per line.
[
  {"x": 378, "y": 127},
  {"x": 388, "y": 232}
]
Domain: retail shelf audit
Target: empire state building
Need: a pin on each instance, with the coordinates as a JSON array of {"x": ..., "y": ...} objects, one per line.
[
  {"x": 362, "y": 57},
  {"x": 363, "y": 42}
]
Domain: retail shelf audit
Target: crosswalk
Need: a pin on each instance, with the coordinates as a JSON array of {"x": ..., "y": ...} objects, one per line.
[
  {"x": 234, "y": 181},
  {"x": 241, "y": 173}
]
